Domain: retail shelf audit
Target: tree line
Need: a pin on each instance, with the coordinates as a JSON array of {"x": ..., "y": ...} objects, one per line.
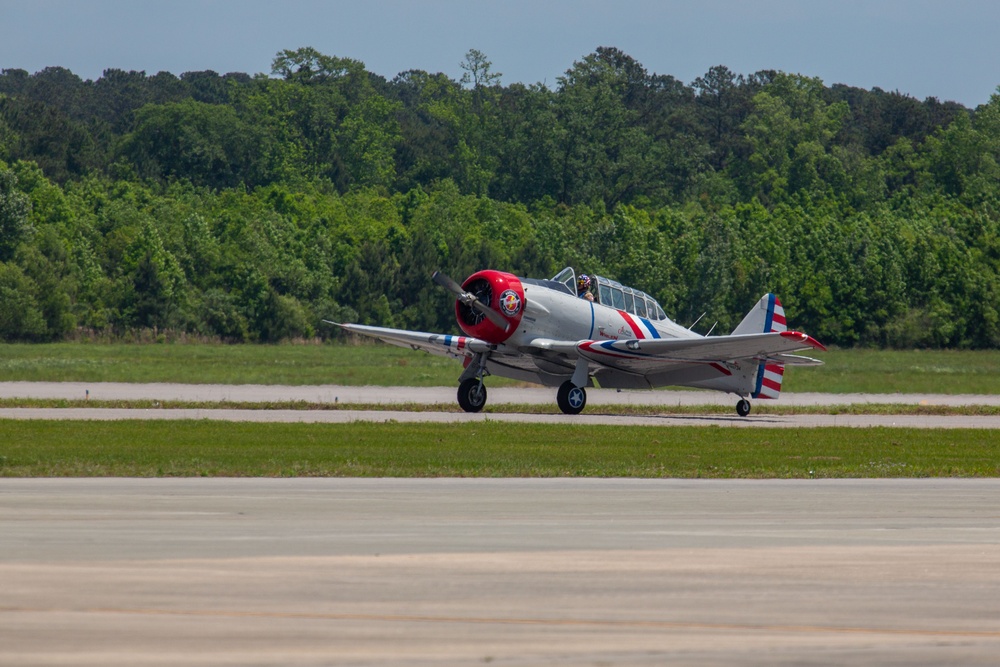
[{"x": 248, "y": 208}]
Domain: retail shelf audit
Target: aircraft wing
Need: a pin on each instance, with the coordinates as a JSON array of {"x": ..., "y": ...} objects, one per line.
[
  {"x": 444, "y": 345},
  {"x": 651, "y": 355}
]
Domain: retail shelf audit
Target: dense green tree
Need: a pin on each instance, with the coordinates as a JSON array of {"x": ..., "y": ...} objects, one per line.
[
  {"x": 118, "y": 95},
  {"x": 367, "y": 140},
  {"x": 527, "y": 133},
  {"x": 30, "y": 130},
  {"x": 790, "y": 133},
  {"x": 20, "y": 317},
  {"x": 602, "y": 155},
  {"x": 248, "y": 208},
  {"x": 207, "y": 144},
  {"x": 15, "y": 209},
  {"x": 424, "y": 154}
]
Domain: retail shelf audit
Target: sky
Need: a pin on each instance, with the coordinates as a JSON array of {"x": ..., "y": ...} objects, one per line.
[{"x": 947, "y": 49}]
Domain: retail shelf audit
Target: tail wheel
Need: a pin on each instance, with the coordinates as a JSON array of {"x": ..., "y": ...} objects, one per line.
[
  {"x": 743, "y": 407},
  {"x": 571, "y": 399},
  {"x": 472, "y": 395}
]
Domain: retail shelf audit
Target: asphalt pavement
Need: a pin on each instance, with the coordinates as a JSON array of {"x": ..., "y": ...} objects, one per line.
[
  {"x": 368, "y": 395},
  {"x": 600, "y": 405},
  {"x": 143, "y": 572}
]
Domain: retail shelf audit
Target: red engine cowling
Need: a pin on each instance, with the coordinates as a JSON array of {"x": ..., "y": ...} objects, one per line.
[{"x": 498, "y": 291}]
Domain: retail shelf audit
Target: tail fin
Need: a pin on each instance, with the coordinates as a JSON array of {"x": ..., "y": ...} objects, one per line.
[{"x": 767, "y": 316}]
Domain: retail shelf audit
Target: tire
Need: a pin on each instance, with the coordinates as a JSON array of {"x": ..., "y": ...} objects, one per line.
[
  {"x": 743, "y": 407},
  {"x": 472, "y": 395},
  {"x": 571, "y": 399}
]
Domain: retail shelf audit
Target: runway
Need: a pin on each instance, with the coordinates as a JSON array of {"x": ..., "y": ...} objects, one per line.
[
  {"x": 600, "y": 409},
  {"x": 501, "y": 572}
]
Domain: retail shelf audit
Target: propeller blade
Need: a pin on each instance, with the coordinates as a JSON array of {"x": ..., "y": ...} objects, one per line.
[
  {"x": 470, "y": 300},
  {"x": 449, "y": 284}
]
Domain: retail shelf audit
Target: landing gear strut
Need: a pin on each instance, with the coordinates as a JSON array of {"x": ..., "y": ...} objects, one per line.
[
  {"x": 571, "y": 399},
  {"x": 743, "y": 407}
]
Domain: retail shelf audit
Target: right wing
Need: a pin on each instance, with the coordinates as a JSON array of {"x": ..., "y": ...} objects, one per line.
[
  {"x": 655, "y": 354},
  {"x": 444, "y": 345}
]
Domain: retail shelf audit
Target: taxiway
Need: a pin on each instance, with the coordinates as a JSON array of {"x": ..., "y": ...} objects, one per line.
[{"x": 600, "y": 409}]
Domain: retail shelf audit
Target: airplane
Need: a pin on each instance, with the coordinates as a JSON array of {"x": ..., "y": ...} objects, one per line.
[{"x": 543, "y": 332}]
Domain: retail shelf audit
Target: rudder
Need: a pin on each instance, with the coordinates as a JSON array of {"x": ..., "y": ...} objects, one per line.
[{"x": 767, "y": 316}]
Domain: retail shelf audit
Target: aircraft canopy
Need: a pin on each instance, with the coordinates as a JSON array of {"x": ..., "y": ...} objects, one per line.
[{"x": 612, "y": 293}]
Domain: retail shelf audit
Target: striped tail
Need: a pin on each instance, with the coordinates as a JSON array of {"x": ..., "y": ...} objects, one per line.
[
  {"x": 769, "y": 380},
  {"x": 769, "y": 375}
]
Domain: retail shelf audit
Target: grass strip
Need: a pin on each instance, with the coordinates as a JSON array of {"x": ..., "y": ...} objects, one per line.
[
  {"x": 485, "y": 449},
  {"x": 872, "y": 371},
  {"x": 517, "y": 408},
  {"x": 206, "y": 363}
]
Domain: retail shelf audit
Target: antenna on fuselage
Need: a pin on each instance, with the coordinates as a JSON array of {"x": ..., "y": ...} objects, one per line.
[
  {"x": 698, "y": 320},
  {"x": 711, "y": 330}
]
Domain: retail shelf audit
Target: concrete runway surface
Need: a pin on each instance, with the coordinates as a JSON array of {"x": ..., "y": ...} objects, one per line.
[
  {"x": 503, "y": 572},
  {"x": 389, "y": 396}
]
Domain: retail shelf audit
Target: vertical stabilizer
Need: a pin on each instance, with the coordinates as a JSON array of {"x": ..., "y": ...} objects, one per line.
[{"x": 767, "y": 316}]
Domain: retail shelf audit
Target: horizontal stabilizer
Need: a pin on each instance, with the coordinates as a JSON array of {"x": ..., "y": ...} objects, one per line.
[{"x": 796, "y": 360}]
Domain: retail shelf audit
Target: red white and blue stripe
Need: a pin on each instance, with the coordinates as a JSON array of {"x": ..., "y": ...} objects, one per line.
[
  {"x": 640, "y": 326},
  {"x": 769, "y": 376},
  {"x": 456, "y": 343}
]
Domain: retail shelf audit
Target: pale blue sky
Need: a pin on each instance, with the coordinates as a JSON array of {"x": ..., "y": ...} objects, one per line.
[{"x": 948, "y": 49}]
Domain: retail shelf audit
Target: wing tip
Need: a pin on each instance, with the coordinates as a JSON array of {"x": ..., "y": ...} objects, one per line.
[{"x": 805, "y": 339}]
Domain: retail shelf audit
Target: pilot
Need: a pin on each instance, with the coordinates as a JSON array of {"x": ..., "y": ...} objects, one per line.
[{"x": 583, "y": 287}]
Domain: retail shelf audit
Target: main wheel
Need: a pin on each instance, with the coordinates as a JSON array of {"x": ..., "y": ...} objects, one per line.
[
  {"x": 743, "y": 407},
  {"x": 472, "y": 395},
  {"x": 571, "y": 399}
]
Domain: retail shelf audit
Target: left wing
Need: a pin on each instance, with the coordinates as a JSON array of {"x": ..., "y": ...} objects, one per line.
[{"x": 444, "y": 345}]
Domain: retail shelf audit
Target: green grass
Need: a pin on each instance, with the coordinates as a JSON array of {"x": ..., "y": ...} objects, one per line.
[
  {"x": 877, "y": 371},
  {"x": 486, "y": 449},
  {"x": 900, "y": 371},
  {"x": 343, "y": 364}
]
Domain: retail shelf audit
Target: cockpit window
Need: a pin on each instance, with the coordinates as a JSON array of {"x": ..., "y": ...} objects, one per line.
[
  {"x": 640, "y": 305},
  {"x": 614, "y": 294},
  {"x": 618, "y": 299},
  {"x": 629, "y": 301},
  {"x": 568, "y": 278},
  {"x": 604, "y": 293}
]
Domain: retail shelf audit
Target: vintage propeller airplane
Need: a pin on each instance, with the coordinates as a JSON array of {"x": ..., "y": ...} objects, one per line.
[{"x": 542, "y": 331}]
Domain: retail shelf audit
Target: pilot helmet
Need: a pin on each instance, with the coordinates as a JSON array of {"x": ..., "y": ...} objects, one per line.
[{"x": 583, "y": 283}]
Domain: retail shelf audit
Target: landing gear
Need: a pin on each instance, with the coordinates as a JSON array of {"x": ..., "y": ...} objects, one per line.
[
  {"x": 743, "y": 407},
  {"x": 571, "y": 399},
  {"x": 471, "y": 390},
  {"x": 472, "y": 394}
]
